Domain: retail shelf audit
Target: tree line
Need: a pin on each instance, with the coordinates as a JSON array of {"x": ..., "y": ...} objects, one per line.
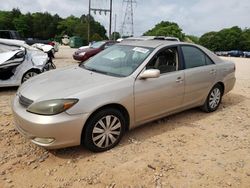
[
  {"x": 233, "y": 38},
  {"x": 47, "y": 26},
  {"x": 228, "y": 39}
]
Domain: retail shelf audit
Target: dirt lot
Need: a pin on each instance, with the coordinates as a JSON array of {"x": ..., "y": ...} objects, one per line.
[{"x": 190, "y": 149}]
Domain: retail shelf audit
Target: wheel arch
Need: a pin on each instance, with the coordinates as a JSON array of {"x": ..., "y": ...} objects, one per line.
[
  {"x": 221, "y": 84},
  {"x": 32, "y": 69},
  {"x": 116, "y": 106}
]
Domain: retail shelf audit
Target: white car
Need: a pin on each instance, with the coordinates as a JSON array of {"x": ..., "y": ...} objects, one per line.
[{"x": 19, "y": 62}]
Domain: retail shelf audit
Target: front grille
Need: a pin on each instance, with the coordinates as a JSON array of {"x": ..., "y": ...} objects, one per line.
[{"x": 25, "y": 102}]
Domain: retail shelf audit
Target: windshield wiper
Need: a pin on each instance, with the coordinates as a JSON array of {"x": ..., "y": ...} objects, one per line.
[{"x": 100, "y": 71}]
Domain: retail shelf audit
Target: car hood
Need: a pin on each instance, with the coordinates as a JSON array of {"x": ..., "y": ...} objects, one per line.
[{"x": 63, "y": 83}]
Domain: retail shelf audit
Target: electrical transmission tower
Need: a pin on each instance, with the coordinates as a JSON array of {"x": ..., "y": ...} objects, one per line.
[{"x": 127, "y": 28}]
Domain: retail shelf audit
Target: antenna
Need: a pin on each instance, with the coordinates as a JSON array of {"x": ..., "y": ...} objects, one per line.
[{"x": 127, "y": 28}]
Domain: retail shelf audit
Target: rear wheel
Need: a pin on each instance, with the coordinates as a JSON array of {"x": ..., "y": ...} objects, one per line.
[
  {"x": 213, "y": 99},
  {"x": 29, "y": 74},
  {"x": 51, "y": 65},
  {"x": 104, "y": 130}
]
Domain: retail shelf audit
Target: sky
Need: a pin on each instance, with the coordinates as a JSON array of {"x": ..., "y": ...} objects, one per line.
[{"x": 195, "y": 17}]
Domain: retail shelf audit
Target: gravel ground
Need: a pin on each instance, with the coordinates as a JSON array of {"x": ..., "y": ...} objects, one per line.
[{"x": 189, "y": 149}]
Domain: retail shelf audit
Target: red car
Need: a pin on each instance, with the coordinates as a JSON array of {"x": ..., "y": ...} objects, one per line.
[{"x": 95, "y": 48}]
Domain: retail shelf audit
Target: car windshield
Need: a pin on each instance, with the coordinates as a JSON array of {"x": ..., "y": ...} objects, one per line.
[
  {"x": 118, "y": 60},
  {"x": 97, "y": 44}
]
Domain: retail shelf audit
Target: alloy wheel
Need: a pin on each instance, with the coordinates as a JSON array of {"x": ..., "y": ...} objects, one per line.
[
  {"x": 28, "y": 75},
  {"x": 106, "y": 131},
  {"x": 214, "y": 98}
]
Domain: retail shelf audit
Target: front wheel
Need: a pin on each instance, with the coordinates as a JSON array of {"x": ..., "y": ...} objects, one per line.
[
  {"x": 104, "y": 130},
  {"x": 29, "y": 74},
  {"x": 213, "y": 99}
]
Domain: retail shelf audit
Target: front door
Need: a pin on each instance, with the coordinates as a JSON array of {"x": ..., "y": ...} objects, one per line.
[{"x": 157, "y": 96}]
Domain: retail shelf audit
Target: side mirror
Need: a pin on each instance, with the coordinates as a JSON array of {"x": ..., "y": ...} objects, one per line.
[
  {"x": 150, "y": 73},
  {"x": 20, "y": 54}
]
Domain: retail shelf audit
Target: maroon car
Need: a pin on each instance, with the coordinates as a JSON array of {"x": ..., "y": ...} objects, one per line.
[{"x": 93, "y": 49}]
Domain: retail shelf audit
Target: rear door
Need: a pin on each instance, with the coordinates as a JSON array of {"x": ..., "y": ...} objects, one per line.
[
  {"x": 200, "y": 74},
  {"x": 157, "y": 96}
]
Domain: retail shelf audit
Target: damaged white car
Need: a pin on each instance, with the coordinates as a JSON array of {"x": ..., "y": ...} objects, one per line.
[{"x": 19, "y": 62}]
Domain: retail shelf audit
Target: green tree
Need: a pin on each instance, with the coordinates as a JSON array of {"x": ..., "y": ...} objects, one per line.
[
  {"x": 22, "y": 25},
  {"x": 191, "y": 39},
  {"x": 245, "y": 39},
  {"x": 96, "y": 37},
  {"x": 224, "y": 40},
  {"x": 6, "y": 19},
  {"x": 166, "y": 28},
  {"x": 209, "y": 40},
  {"x": 44, "y": 25},
  {"x": 67, "y": 26},
  {"x": 115, "y": 35}
]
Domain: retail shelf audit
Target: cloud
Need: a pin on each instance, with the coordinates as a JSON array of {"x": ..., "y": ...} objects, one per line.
[{"x": 193, "y": 16}]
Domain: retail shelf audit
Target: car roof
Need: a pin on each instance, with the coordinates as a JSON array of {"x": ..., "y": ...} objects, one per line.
[
  {"x": 148, "y": 43},
  {"x": 165, "y": 43}
]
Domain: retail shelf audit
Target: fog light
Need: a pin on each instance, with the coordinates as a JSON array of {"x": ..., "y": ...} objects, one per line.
[{"x": 43, "y": 140}]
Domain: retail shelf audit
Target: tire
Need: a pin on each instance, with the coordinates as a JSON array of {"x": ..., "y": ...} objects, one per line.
[
  {"x": 98, "y": 136},
  {"x": 51, "y": 65},
  {"x": 29, "y": 74},
  {"x": 213, "y": 99}
]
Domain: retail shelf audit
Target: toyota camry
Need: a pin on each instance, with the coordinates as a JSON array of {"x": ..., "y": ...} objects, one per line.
[{"x": 122, "y": 87}]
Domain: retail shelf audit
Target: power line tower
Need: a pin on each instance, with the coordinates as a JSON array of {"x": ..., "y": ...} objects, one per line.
[
  {"x": 100, "y": 10},
  {"x": 127, "y": 28}
]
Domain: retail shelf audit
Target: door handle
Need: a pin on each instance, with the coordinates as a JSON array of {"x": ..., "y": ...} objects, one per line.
[{"x": 179, "y": 80}]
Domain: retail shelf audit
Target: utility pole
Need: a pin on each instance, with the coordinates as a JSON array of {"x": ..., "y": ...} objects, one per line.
[
  {"x": 100, "y": 11},
  {"x": 115, "y": 28},
  {"x": 89, "y": 21},
  {"x": 110, "y": 20}
]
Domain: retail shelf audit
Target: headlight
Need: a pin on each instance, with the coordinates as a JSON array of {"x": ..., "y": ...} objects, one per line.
[
  {"x": 51, "y": 107},
  {"x": 82, "y": 53}
]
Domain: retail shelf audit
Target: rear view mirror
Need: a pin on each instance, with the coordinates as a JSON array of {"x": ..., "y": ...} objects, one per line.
[{"x": 150, "y": 73}]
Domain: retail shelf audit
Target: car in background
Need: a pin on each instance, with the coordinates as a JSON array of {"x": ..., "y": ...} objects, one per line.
[
  {"x": 19, "y": 62},
  {"x": 82, "y": 54},
  {"x": 246, "y": 54},
  {"x": 221, "y": 53},
  {"x": 235, "y": 53},
  {"x": 9, "y": 34},
  {"x": 118, "y": 89}
]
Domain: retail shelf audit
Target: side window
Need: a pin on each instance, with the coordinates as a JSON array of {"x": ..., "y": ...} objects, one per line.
[
  {"x": 209, "y": 61},
  {"x": 166, "y": 61},
  {"x": 193, "y": 57}
]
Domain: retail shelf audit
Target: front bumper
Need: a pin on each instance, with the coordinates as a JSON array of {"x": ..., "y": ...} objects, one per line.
[{"x": 62, "y": 130}]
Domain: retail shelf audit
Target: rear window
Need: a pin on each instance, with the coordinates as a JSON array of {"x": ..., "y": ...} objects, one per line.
[{"x": 194, "y": 57}]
